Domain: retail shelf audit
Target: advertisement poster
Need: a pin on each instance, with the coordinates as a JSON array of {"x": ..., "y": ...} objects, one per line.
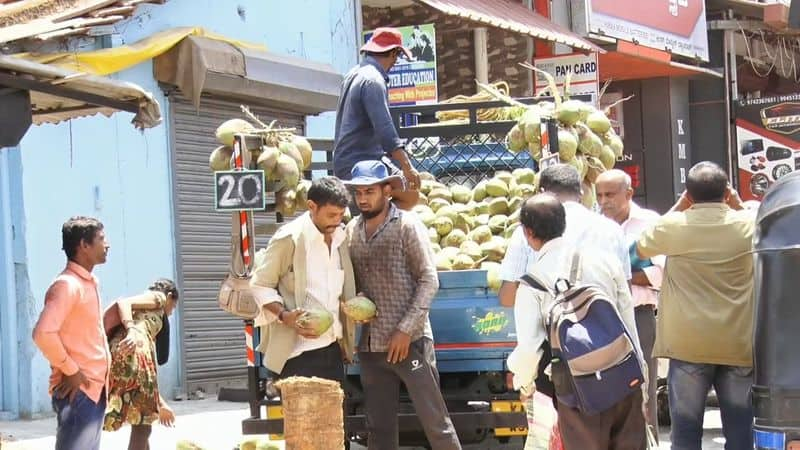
[
  {"x": 677, "y": 26},
  {"x": 768, "y": 138},
  {"x": 414, "y": 82},
  {"x": 583, "y": 70}
]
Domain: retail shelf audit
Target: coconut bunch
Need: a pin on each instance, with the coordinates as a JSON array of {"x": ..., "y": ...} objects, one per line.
[
  {"x": 282, "y": 155},
  {"x": 586, "y": 138},
  {"x": 469, "y": 227}
]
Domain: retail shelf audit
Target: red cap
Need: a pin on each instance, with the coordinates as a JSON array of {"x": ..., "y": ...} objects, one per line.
[{"x": 385, "y": 39}]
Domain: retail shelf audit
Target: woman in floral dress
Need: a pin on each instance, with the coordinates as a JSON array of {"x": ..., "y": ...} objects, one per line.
[{"x": 133, "y": 395}]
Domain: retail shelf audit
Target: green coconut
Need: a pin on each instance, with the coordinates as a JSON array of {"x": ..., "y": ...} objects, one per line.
[
  {"x": 288, "y": 148},
  {"x": 598, "y": 122},
  {"x": 286, "y": 171},
  {"x": 220, "y": 158},
  {"x": 524, "y": 175},
  {"x": 443, "y": 193},
  {"x": 301, "y": 194},
  {"x": 316, "y": 319},
  {"x": 607, "y": 157},
  {"x": 493, "y": 280},
  {"x": 481, "y": 234},
  {"x": 443, "y": 225},
  {"x": 460, "y": 194},
  {"x": 454, "y": 239},
  {"x": 230, "y": 128},
  {"x": 497, "y": 188},
  {"x": 567, "y": 145},
  {"x": 479, "y": 191},
  {"x": 437, "y": 203},
  {"x": 531, "y": 122},
  {"x": 463, "y": 262},
  {"x": 304, "y": 147},
  {"x": 464, "y": 222},
  {"x": 504, "y": 175},
  {"x": 471, "y": 248},
  {"x": 494, "y": 250},
  {"x": 426, "y": 176},
  {"x": 498, "y": 205},
  {"x": 482, "y": 219},
  {"x": 569, "y": 112},
  {"x": 359, "y": 308},
  {"x": 286, "y": 202},
  {"x": 498, "y": 223},
  {"x": 516, "y": 139}
]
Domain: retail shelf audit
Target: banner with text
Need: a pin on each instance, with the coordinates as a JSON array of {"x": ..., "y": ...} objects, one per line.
[
  {"x": 581, "y": 68},
  {"x": 414, "y": 82},
  {"x": 768, "y": 137},
  {"x": 677, "y": 26}
]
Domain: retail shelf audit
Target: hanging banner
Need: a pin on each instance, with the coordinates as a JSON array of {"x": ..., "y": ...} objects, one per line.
[
  {"x": 414, "y": 82},
  {"x": 581, "y": 68},
  {"x": 676, "y": 26},
  {"x": 768, "y": 142}
]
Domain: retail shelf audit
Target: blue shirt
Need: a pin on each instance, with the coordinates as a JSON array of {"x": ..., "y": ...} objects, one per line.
[{"x": 364, "y": 128}]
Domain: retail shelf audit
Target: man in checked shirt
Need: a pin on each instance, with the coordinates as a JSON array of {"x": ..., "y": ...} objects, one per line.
[{"x": 394, "y": 266}]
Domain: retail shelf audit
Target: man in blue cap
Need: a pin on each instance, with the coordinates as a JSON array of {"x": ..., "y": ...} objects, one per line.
[
  {"x": 394, "y": 267},
  {"x": 364, "y": 128}
]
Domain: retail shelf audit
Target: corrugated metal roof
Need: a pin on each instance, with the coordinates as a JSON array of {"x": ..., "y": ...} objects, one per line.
[
  {"x": 47, "y": 19},
  {"x": 512, "y": 16},
  {"x": 58, "y": 94}
]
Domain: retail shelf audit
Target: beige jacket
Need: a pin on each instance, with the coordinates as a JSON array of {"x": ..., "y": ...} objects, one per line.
[{"x": 284, "y": 269}]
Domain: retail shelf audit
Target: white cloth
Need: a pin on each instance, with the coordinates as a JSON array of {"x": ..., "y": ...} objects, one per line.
[
  {"x": 585, "y": 229},
  {"x": 324, "y": 285},
  {"x": 553, "y": 261},
  {"x": 638, "y": 221}
]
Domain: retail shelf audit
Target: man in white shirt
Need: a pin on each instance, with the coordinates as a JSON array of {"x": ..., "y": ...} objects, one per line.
[
  {"x": 622, "y": 427},
  {"x": 585, "y": 229},
  {"x": 307, "y": 265},
  {"x": 615, "y": 196}
]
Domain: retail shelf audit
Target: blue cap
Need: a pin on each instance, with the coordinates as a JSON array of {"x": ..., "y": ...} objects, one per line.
[{"x": 368, "y": 173}]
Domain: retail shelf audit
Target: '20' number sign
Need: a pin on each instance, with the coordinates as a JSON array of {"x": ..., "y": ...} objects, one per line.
[{"x": 238, "y": 190}]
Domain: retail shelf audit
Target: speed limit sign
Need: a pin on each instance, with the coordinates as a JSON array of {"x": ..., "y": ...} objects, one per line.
[{"x": 239, "y": 190}]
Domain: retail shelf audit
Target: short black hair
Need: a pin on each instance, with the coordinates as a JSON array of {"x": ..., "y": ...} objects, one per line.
[
  {"x": 77, "y": 229},
  {"x": 165, "y": 286},
  {"x": 544, "y": 216},
  {"x": 707, "y": 182},
  {"x": 561, "y": 179},
  {"x": 329, "y": 191}
]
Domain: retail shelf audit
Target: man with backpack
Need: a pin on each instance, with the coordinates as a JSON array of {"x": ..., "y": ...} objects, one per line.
[{"x": 579, "y": 301}]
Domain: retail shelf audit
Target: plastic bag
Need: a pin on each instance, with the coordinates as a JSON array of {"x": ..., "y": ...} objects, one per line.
[
  {"x": 555, "y": 439},
  {"x": 541, "y": 419}
]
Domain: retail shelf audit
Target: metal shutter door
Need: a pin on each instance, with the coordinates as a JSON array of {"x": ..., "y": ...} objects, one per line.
[{"x": 213, "y": 343}]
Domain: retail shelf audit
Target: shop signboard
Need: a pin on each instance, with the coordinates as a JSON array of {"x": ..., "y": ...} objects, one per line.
[
  {"x": 768, "y": 142},
  {"x": 677, "y": 26},
  {"x": 414, "y": 82},
  {"x": 580, "y": 68}
]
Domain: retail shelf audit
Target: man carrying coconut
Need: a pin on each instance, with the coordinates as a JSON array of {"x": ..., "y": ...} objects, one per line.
[
  {"x": 394, "y": 267},
  {"x": 364, "y": 128},
  {"x": 307, "y": 268}
]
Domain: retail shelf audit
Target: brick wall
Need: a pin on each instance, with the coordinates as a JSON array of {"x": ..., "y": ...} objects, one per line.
[{"x": 455, "y": 48}]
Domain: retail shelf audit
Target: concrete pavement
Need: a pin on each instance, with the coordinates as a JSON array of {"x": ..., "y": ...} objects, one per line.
[{"x": 217, "y": 426}]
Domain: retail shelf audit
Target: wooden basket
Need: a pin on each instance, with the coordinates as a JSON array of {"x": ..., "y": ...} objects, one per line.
[{"x": 312, "y": 413}]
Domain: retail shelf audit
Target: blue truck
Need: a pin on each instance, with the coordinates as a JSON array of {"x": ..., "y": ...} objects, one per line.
[{"x": 473, "y": 333}]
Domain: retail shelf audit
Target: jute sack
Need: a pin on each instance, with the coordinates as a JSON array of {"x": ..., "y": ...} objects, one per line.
[{"x": 312, "y": 413}]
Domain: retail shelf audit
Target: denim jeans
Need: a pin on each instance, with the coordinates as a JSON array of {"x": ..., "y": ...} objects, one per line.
[
  {"x": 689, "y": 384},
  {"x": 80, "y": 422}
]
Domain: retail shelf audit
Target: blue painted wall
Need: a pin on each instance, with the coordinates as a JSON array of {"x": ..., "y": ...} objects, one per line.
[{"x": 105, "y": 168}]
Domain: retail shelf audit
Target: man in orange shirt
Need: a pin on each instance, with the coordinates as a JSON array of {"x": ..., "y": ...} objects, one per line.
[{"x": 71, "y": 336}]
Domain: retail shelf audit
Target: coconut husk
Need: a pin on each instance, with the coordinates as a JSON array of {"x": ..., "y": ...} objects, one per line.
[{"x": 313, "y": 416}]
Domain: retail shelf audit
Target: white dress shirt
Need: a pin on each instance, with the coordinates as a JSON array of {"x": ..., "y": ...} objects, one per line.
[
  {"x": 585, "y": 229},
  {"x": 552, "y": 262},
  {"x": 638, "y": 221},
  {"x": 325, "y": 282}
]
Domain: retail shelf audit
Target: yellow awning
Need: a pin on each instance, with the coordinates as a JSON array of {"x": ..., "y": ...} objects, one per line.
[{"x": 112, "y": 60}]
